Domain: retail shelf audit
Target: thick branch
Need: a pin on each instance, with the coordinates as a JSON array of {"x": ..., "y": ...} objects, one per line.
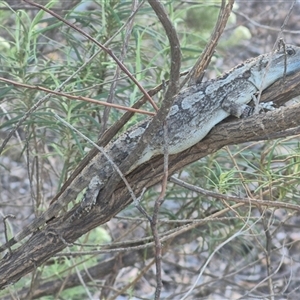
[{"x": 44, "y": 244}]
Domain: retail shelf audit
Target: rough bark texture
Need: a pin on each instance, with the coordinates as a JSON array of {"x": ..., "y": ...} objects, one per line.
[{"x": 52, "y": 239}]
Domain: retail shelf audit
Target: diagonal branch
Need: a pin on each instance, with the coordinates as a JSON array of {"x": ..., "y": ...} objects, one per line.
[
  {"x": 52, "y": 239},
  {"x": 203, "y": 61}
]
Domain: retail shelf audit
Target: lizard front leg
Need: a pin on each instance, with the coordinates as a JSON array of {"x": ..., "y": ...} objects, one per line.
[{"x": 244, "y": 110}]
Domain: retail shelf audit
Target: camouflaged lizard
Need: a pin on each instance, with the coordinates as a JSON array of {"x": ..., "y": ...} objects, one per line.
[{"x": 194, "y": 113}]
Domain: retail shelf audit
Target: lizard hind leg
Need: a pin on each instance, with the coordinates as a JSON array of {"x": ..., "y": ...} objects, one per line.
[
  {"x": 89, "y": 199},
  {"x": 251, "y": 110}
]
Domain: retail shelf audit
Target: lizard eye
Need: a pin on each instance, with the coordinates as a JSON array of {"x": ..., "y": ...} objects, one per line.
[{"x": 290, "y": 51}]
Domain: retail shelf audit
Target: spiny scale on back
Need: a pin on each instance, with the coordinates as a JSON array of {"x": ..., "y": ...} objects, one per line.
[{"x": 194, "y": 113}]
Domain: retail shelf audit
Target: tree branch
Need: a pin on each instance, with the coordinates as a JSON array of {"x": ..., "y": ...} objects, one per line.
[
  {"x": 45, "y": 243},
  {"x": 203, "y": 61}
]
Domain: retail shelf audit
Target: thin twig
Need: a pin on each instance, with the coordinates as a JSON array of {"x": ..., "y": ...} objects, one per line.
[
  {"x": 154, "y": 221},
  {"x": 250, "y": 20},
  {"x": 267, "y": 251},
  {"x": 202, "y": 63},
  {"x": 249, "y": 200},
  {"x": 164, "y": 236},
  {"x": 174, "y": 46},
  {"x": 55, "y": 92},
  {"x": 112, "y": 90}
]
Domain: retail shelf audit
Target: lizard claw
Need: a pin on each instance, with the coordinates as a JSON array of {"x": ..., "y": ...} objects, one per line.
[{"x": 267, "y": 105}]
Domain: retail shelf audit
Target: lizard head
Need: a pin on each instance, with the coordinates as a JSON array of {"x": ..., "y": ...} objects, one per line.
[{"x": 276, "y": 65}]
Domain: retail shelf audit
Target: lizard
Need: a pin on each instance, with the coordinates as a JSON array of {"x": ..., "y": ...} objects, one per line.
[{"x": 195, "y": 111}]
